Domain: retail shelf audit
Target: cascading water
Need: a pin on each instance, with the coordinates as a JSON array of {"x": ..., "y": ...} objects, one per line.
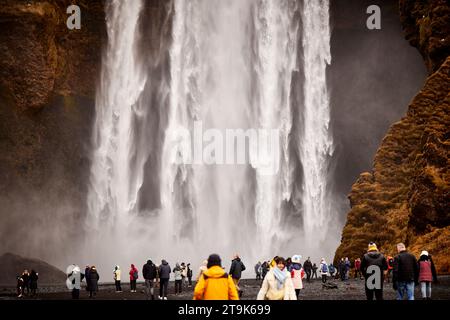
[
  {"x": 230, "y": 66},
  {"x": 316, "y": 146}
]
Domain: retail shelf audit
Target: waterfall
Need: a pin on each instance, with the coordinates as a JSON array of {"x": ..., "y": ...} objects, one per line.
[
  {"x": 115, "y": 181},
  {"x": 230, "y": 66},
  {"x": 316, "y": 142}
]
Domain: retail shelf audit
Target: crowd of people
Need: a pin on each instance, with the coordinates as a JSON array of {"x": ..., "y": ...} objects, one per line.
[
  {"x": 281, "y": 279},
  {"x": 27, "y": 284},
  {"x": 406, "y": 272}
]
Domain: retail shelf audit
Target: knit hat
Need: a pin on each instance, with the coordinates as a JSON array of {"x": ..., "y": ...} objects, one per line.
[
  {"x": 372, "y": 247},
  {"x": 424, "y": 253},
  {"x": 297, "y": 258},
  {"x": 214, "y": 260}
]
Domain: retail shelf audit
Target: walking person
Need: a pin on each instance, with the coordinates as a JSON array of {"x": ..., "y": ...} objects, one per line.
[
  {"x": 93, "y": 279},
  {"x": 258, "y": 270},
  {"x": 236, "y": 269},
  {"x": 150, "y": 274},
  {"x": 324, "y": 270},
  {"x": 373, "y": 258},
  {"x": 134, "y": 275},
  {"x": 427, "y": 274},
  {"x": 297, "y": 274},
  {"x": 117, "y": 276},
  {"x": 177, "y": 271},
  {"x": 164, "y": 276},
  {"x": 307, "y": 266},
  {"x": 33, "y": 282},
  {"x": 214, "y": 283},
  {"x": 189, "y": 274},
  {"x": 405, "y": 273},
  {"x": 277, "y": 284},
  {"x": 314, "y": 271}
]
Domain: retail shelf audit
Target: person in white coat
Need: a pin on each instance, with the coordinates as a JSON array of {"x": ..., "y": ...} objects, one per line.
[
  {"x": 323, "y": 270},
  {"x": 277, "y": 284}
]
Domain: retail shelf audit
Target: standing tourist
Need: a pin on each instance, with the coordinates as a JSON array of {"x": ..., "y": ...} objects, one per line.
[
  {"x": 214, "y": 283},
  {"x": 277, "y": 284},
  {"x": 405, "y": 273},
  {"x": 373, "y": 258}
]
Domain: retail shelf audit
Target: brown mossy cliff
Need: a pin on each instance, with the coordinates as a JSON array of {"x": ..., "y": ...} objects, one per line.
[
  {"x": 406, "y": 197},
  {"x": 40, "y": 57}
]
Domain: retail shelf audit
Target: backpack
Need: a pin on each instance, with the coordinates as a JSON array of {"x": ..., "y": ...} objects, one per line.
[
  {"x": 189, "y": 273},
  {"x": 324, "y": 268},
  {"x": 135, "y": 275}
]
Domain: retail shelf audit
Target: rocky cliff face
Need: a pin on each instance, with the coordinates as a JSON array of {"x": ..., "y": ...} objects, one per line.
[
  {"x": 406, "y": 197},
  {"x": 48, "y": 76}
]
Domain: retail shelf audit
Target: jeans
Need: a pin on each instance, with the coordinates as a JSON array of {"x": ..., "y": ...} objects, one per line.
[
  {"x": 149, "y": 288},
  {"x": 425, "y": 287},
  {"x": 118, "y": 286},
  {"x": 308, "y": 275},
  {"x": 405, "y": 288},
  {"x": 178, "y": 286},
  {"x": 133, "y": 285},
  {"x": 163, "y": 284},
  {"x": 324, "y": 278}
]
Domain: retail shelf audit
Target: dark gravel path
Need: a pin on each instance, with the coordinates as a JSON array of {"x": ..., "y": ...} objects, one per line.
[{"x": 350, "y": 290}]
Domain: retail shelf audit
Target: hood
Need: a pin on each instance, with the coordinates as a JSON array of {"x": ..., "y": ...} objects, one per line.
[
  {"x": 214, "y": 272},
  {"x": 374, "y": 254},
  {"x": 132, "y": 266},
  {"x": 149, "y": 262},
  {"x": 237, "y": 259},
  {"x": 164, "y": 262}
]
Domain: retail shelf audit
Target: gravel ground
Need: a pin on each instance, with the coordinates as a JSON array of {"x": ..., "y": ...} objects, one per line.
[{"x": 350, "y": 290}]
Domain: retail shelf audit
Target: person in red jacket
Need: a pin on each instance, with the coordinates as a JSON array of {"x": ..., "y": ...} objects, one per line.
[
  {"x": 133, "y": 277},
  {"x": 358, "y": 269},
  {"x": 427, "y": 274},
  {"x": 390, "y": 263}
]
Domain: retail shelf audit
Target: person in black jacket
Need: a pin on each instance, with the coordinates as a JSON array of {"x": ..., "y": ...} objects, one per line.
[
  {"x": 149, "y": 273},
  {"x": 405, "y": 273},
  {"x": 93, "y": 282},
  {"x": 189, "y": 274},
  {"x": 307, "y": 266},
  {"x": 237, "y": 267},
  {"x": 373, "y": 265},
  {"x": 33, "y": 282},
  {"x": 26, "y": 282},
  {"x": 164, "y": 276}
]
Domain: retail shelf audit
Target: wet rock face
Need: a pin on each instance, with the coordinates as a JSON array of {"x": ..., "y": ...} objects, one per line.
[
  {"x": 40, "y": 57},
  {"x": 406, "y": 198},
  {"x": 427, "y": 27}
]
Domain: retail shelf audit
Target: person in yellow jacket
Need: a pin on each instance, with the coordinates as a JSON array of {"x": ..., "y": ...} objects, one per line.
[{"x": 215, "y": 283}]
